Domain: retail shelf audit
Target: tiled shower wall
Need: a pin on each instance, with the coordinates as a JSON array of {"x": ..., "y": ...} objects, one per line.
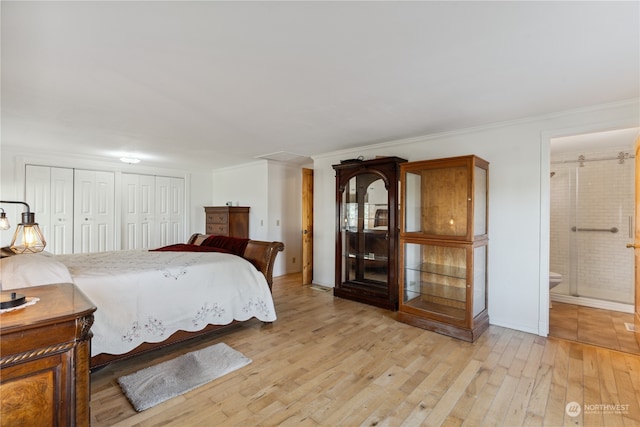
[{"x": 599, "y": 194}]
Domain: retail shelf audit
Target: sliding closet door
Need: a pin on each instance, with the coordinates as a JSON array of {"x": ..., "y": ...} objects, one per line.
[
  {"x": 49, "y": 193},
  {"x": 94, "y": 211}
]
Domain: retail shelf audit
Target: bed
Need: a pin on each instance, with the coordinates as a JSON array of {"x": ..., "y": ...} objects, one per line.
[{"x": 150, "y": 299}]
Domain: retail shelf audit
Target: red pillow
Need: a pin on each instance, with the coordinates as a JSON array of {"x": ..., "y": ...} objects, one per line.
[{"x": 235, "y": 245}]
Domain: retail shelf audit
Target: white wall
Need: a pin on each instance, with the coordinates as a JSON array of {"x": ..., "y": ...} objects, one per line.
[
  {"x": 285, "y": 214},
  {"x": 273, "y": 191},
  {"x": 245, "y": 185},
  {"x": 518, "y": 153}
]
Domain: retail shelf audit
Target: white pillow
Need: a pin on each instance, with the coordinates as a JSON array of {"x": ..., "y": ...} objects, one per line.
[{"x": 20, "y": 271}]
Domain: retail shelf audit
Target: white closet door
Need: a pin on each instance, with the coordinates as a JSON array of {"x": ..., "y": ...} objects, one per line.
[
  {"x": 94, "y": 211},
  {"x": 49, "y": 193},
  {"x": 170, "y": 210},
  {"x": 38, "y": 196},
  {"x": 62, "y": 210},
  {"x": 176, "y": 215},
  {"x": 138, "y": 211}
]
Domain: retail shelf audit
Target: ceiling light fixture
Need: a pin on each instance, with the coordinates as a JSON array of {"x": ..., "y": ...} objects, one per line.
[{"x": 130, "y": 160}]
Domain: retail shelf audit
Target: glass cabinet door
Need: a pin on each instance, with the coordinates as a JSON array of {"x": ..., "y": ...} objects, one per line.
[
  {"x": 479, "y": 279},
  {"x": 365, "y": 235},
  {"x": 446, "y": 200},
  {"x": 437, "y": 201},
  {"x": 435, "y": 279},
  {"x": 366, "y": 261}
]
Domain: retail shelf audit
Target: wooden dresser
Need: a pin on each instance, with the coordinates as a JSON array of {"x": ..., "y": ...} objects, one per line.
[
  {"x": 230, "y": 221},
  {"x": 44, "y": 359}
]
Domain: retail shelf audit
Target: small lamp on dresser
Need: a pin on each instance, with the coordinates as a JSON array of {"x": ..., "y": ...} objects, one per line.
[
  {"x": 28, "y": 237},
  {"x": 4, "y": 221}
]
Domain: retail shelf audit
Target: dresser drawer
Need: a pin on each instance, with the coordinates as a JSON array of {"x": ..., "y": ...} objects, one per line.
[
  {"x": 218, "y": 217},
  {"x": 45, "y": 336},
  {"x": 222, "y": 229},
  {"x": 230, "y": 221}
]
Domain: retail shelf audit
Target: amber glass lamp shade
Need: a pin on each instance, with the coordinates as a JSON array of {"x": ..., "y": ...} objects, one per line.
[{"x": 28, "y": 237}]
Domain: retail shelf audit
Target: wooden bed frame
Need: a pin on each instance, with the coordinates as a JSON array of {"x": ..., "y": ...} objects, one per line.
[{"x": 261, "y": 254}]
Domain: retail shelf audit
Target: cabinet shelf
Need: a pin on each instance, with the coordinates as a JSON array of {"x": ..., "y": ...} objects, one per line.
[
  {"x": 440, "y": 270},
  {"x": 457, "y": 292},
  {"x": 369, "y": 286},
  {"x": 368, "y": 257},
  {"x": 437, "y": 307}
]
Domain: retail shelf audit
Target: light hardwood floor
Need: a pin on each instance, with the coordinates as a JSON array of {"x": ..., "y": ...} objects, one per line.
[{"x": 332, "y": 362}]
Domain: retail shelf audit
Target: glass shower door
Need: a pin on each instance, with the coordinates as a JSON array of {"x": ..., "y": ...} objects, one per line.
[{"x": 601, "y": 266}]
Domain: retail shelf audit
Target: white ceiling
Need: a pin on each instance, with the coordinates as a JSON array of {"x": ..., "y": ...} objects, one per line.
[
  {"x": 596, "y": 142},
  {"x": 209, "y": 84}
]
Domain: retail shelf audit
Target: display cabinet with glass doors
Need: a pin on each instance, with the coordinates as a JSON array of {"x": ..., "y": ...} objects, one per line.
[
  {"x": 443, "y": 246},
  {"x": 367, "y": 231}
]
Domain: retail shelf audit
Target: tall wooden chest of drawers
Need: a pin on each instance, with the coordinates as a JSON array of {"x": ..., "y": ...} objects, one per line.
[{"x": 230, "y": 221}]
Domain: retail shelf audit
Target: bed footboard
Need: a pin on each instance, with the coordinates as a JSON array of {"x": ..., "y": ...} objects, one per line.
[{"x": 260, "y": 253}]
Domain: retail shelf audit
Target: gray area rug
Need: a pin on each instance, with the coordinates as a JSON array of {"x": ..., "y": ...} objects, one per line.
[{"x": 155, "y": 384}]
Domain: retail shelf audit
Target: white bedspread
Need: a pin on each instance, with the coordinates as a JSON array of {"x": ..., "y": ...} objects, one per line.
[{"x": 145, "y": 296}]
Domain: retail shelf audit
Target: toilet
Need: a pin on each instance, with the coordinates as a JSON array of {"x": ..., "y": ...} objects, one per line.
[{"x": 554, "y": 280}]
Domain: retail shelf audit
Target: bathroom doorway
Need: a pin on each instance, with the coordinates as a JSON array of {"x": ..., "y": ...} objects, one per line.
[{"x": 592, "y": 213}]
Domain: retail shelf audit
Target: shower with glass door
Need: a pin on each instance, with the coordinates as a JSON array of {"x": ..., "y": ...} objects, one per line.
[{"x": 592, "y": 220}]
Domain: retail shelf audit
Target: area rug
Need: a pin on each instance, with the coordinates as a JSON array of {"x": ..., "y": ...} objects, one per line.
[{"x": 156, "y": 384}]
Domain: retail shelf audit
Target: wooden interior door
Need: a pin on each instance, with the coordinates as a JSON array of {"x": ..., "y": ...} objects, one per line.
[{"x": 307, "y": 226}]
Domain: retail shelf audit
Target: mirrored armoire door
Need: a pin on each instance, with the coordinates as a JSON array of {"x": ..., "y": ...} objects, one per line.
[{"x": 367, "y": 231}]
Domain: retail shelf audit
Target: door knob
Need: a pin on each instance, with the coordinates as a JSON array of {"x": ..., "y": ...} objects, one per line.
[{"x": 631, "y": 245}]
